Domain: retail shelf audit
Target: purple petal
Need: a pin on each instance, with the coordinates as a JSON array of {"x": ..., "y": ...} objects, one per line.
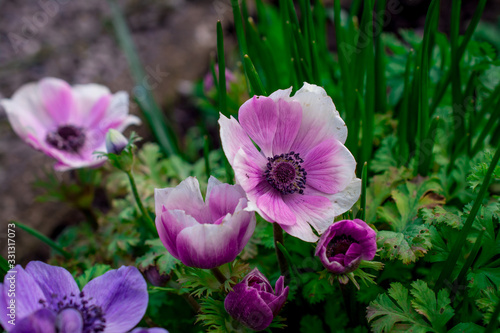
[
  {"x": 245, "y": 305},
  {"x": 259, "y": 118},
  {"x": 207, "y": 245},
  {"x": 27, "y": 294},
  {"x": 69, "y": 321},
  {"x": 122, "y": 294},
  {"x": 273, "y": 205},
  {"x": 58, "y": 100},
  {"x": 255, "y": 276},
  {"x": 320, "y": 119},
  {"x": 53, "y": 280},
  {"x": 233, "y": 137},
  {"x": 169, "y": 225},
  {"x": 289, "y": 119},
  {"x": 243, "y": 221},
  {"x": 353, "y": 254},
  {"x": 330, "y": 167},
  {"x": 223, "y": 199},
  {"x": 41, "y": 321},
  {"x": 249, "y": 169}
]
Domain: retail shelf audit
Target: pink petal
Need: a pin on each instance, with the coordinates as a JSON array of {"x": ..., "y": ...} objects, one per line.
[
  {"x": 272, "y": 204},
  {"x": 223, "y": 199},
  {"x": 26, "y": 112},
  {"x": 58, "y": 100},
  {"x": 345, "y": 199},
  {"x": 186, "y": 196},
  {"x": 259, "y": 118},
  {"x": 320, "y": 119},
  {"x": 329, "y": 167},
  {"x": 91, "y": 101},
  {"x": 169, "y": 224},
  {"x": 313, "y": 209},
  {"x": 233, "y": 137},
  {"x": 289, "y": 119},
  {"x": 207, "y": 245},
  {"x": 249, "y": 169}
]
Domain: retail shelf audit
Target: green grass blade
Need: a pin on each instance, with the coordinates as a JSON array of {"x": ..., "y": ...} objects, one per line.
[
  {"x": 494, "y": 117},
  {"x": 446, "y": 79},
  {"x": 222, "y": 70},
  {"x": 43, "y": 238},
  {"x": 404, "y": 110},
  {"x": 364, "y": 180},
  {"x": 430, "y": 30},
  {"x": 206, "y": 155},
  {"x": 381, "y": 83},
  {"x": 429, "y": 145},
  {"x": 456, "y": 84},
  {"x": 457, "y": 246},
  {"x": 253, "y": 77},
  {"x": 4, "y": 267},
  {"x": 144, "y": 97}
]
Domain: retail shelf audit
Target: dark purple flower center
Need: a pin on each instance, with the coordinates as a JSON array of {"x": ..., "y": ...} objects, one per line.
[
  {"x": 92, "y": 315},
  {"x": 68, "y": 138},
  {"x": 285, "y": 173},
  {"x": 339, "y": 245}
]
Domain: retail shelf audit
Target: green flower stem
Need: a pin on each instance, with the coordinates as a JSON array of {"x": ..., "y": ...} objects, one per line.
[
  {"x": 278, "y": 239},
  {"x": 218, "y": 275},
  {"x": 145, "y": 214}
]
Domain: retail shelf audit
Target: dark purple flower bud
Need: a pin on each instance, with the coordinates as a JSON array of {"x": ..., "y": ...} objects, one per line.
[
  {"x": 253, "y": 301},
  {"x": 155, "y": 277},
  {"x": 344, "y": 244}
]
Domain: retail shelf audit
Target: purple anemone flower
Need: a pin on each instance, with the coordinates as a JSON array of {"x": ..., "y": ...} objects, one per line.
[
  {"x": 203, "y": 234},
  {"x": 253, "y": 301},
  {"x": 67, "y": 123},
  {"x": 303, "y": 175},
  {"x": 344, "y": 244},
  {"x": 45, "y": 298}
]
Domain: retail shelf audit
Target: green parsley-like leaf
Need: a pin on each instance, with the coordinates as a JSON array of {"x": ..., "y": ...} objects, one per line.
[{"x": 410, "y": 244}]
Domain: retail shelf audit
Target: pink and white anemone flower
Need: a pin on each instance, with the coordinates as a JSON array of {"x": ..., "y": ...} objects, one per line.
[
  {"x": 302, "y": 175},
  {"x": 67, "y": 123}
]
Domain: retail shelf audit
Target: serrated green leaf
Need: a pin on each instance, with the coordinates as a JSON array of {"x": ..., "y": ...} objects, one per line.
[
  {"x": 394, "y": 313},
  {"x": 407, "y": 246},
  {"x": 91, "y": 273},
  {"x": 437, "y": 310},
  {"x": 316, "y": 290},
  {"x": 466, "y": 328}
]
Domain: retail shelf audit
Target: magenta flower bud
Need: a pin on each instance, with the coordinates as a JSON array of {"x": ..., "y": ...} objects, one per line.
[
  {"x": 67, "y": 123},
  {"x": 253, "y": 301},
  {"x": 203, "y": 234},
  {"x": 115, "y": 142},
  {"x": 344, "y": 244}
]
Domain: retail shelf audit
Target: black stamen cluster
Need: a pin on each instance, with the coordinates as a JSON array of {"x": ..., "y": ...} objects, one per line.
[
  {"x": 92, "y": 315},
  {"x": 285, "y": 173},
  {"x": 67, "y": 138},
  {"x": 339, "y": 245}
]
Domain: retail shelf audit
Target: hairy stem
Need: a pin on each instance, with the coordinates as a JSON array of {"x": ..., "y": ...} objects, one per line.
[{"x": 145, "y": 214}]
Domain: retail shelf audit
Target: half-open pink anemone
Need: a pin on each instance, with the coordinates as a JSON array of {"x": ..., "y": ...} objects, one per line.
[
  {"x": 67, "y": 123},
  {"x": 302, "y": 175}
]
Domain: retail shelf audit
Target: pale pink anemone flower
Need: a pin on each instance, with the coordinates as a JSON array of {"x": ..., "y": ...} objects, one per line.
[
  {"x": 303, "y": 175},
  {"x": 67, "y": 123}
]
